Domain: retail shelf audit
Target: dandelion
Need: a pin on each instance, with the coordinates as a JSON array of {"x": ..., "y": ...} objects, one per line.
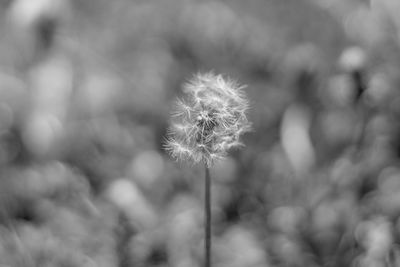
[
  {"x": 205, "y": 126},
  {"x": 209, "y": 122}
]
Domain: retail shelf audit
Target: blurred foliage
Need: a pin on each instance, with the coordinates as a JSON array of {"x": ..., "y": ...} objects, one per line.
[{"x": 85, "y": 91}]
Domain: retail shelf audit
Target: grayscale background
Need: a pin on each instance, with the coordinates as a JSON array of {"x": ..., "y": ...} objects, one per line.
[{"x": 86, "y": 88}]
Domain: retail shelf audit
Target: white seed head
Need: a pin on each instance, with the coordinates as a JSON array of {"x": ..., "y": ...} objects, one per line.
[{"x": 209, "y": 121}]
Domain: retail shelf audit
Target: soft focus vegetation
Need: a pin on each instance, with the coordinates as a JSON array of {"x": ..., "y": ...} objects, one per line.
[{"x": 85, "y": 91}]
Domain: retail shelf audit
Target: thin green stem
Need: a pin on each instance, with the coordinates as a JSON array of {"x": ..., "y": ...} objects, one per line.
[{"x": 207, "y": 209}]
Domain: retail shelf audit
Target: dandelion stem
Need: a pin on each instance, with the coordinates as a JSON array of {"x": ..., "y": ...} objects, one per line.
[{"x": 207, "y": 209}]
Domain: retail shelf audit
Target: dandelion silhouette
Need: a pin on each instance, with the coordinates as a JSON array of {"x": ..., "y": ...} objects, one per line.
[{"x": 205, "y": 126}]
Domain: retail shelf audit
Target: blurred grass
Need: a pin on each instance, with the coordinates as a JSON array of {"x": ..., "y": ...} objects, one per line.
[{"x": 85, "y": 92}]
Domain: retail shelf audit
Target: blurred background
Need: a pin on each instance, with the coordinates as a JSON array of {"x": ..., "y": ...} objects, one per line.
[{"x": 86, "y": 87}]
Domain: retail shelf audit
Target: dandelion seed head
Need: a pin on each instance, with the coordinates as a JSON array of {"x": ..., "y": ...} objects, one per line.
[{"x": 209, "y": 121}]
